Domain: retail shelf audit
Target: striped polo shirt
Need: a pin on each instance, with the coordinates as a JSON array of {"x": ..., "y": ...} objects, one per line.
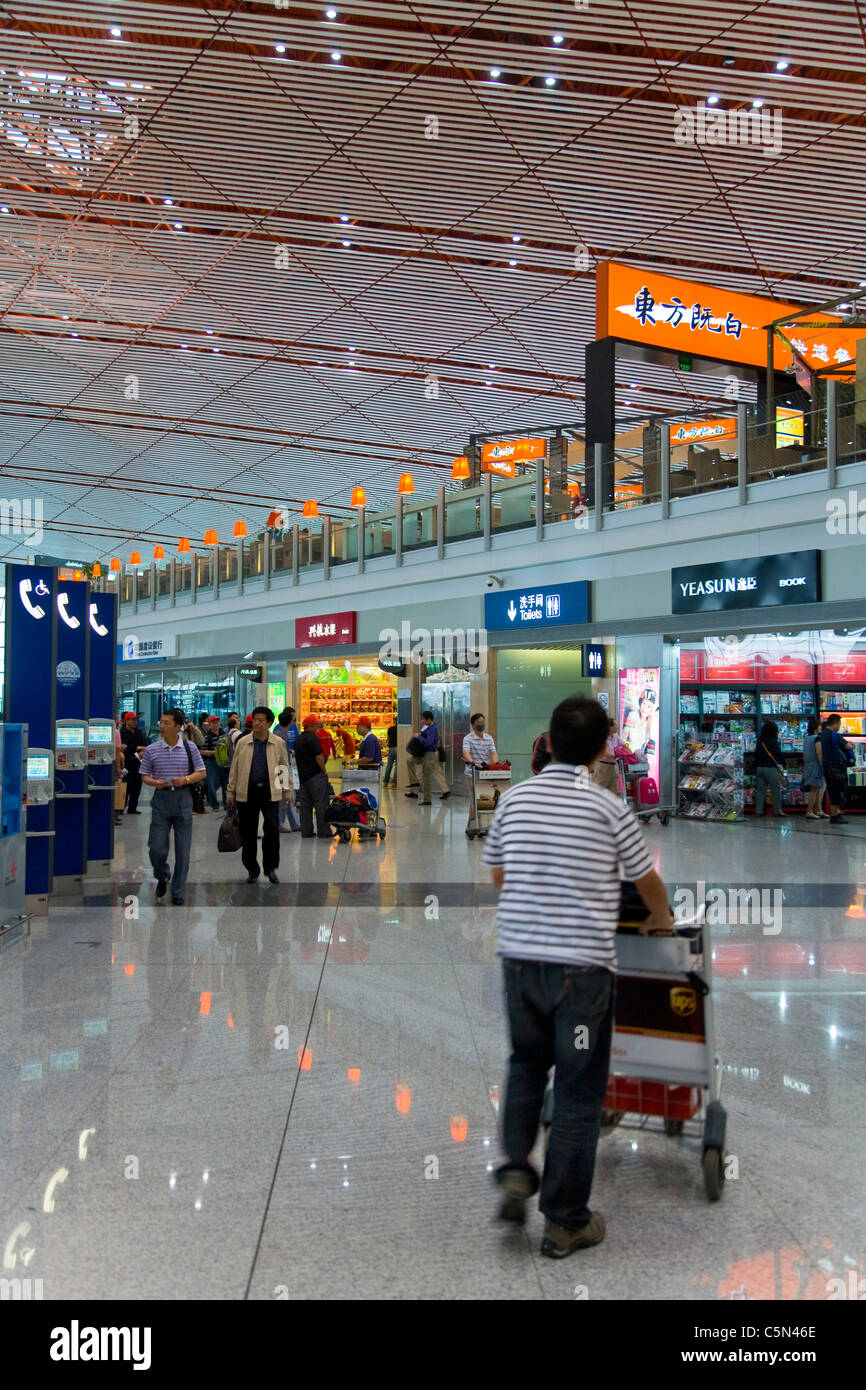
[
  {"x": 164, "y": 763},
  {"x": 565, "y": 845},
  {"x": 480, "y": 748}
]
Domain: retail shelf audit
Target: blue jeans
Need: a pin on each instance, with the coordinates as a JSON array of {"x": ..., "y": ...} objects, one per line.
[
  {"x": 392, "y": 759},
  {"x": 549, "y": 1007},
  {"x": 170, "y": 808},
  {"x": 213, "y": 781}
]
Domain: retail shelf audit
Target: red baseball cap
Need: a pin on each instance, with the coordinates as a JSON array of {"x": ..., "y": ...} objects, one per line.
[
  {"x": 364, "y": 720},
  {"x": 310, "y": 721}
]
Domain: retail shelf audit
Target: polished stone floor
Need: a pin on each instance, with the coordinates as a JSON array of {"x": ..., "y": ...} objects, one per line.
[{"x": 292, "y": 1091}]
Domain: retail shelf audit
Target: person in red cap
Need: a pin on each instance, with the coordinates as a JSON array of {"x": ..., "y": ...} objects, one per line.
[
  {"x": 370, "y": 750},
  {"x": 133, "y": 742},
  {"x": 326, "y": 742},
  {"x": 213, "y": 733},
  {"x": 313, "y": 791}
]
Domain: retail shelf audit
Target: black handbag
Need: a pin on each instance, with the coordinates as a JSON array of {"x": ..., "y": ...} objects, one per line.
[
  {"x": 415, "y": 748},
  {"x": 196, "y": 789},
  {"x": 229, "y": 838}
]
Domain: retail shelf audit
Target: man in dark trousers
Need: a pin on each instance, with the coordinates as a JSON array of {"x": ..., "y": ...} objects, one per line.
[
  {"x": 313, "y": 791},
  {"x": 259, "y": 778},
  {"x": 131, "y": 738}
]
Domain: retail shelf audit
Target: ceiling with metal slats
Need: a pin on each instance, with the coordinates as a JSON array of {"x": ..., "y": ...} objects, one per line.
[{"x": 252, "y": 254}]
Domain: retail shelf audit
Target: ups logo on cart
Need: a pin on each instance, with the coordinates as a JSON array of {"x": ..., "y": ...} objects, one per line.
[{"x": 683, "y": 1001}]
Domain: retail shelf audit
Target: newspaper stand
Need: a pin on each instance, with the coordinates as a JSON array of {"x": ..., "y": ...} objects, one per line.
[
  {"x": 485, "y": 782},
  {"x": 355, "y": 779}
]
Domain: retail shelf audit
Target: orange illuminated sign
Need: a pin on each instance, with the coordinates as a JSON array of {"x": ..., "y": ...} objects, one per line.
[
  {"x": 500, "y": 457},
  {"x": 704, "y": 431},
  {"x": 686, "y": 316}
]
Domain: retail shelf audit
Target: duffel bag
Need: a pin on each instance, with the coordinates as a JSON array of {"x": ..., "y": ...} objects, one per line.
[
  {"x": 229, "y": 837},
  {"x": 343, "y": 811}
]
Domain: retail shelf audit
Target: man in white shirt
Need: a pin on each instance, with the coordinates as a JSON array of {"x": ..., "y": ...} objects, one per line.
[
  {"x": 558, "y": 847},
  {"x": 478, "y": 748}
]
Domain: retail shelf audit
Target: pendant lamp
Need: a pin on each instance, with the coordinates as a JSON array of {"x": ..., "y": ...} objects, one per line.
[
  {"x": 158, "y": 552},
  {"x": 311, "y": 508},
  {"x": 275, "y": 518},
  {"x": 240, "y": 529},
  {"x": 135, "y": 557},
  {"x": 96, "y": 572},
  {"x": 183, "y": 545},
  {"x": 359, "y": 497},
  {"x": 405, "y": 484},
  {"x": 210, "y": 538},
  {"x": 460, "y": 468},
  {"x": 114, "y": 564}
]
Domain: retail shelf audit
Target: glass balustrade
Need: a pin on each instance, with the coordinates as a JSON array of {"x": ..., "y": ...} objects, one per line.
[
  {"x": 344, "y": 540},
  {"x": 203, "y": 571},
  {"x": 254, "y": 559},
  {"x": 163, "y": 582},
  {"x": 463, "y": 514},
  {"x": 182, "y": 576},
  {"x": 380, "y": 532},
  {"x": 142, "y": 586},
  {"x": 795, "y": 441},
  {"x": 512, "y": 504},
  {"x": 420, "y": 524},
  {"x": 281, "y": 552},
  {"x": 851, "y": 426}
]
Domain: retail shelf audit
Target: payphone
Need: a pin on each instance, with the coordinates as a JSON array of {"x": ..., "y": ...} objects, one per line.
[
  {"x": 100, "y": 741},
  {"x": 40, "y": 776},
  {"x": 13, "y": 843},
  {"x": 70, "y": 745}
]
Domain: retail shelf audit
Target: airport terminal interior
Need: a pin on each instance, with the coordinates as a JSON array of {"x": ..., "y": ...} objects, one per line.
[{"x": 432, "y": 601}]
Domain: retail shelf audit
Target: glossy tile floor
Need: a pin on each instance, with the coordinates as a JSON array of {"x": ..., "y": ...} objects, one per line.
[{"x": 292, "y": 1091}]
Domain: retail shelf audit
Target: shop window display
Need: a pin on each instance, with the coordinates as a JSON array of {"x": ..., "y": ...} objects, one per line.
[{"x": 340, "y": 692}]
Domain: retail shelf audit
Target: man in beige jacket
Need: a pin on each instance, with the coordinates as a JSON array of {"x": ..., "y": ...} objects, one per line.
[{"x": 259, "y": 779}]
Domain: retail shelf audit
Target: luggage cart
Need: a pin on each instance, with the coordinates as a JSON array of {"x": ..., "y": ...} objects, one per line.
[
  {"x": 355, "y": 779},
  {"x": 664, "y": 1072},
  {"x": 631, "y": 775},
  {"x": 485, "y": 782}
]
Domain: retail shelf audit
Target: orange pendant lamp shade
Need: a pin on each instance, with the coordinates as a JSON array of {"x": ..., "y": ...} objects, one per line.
[
  {"x": 403, "y": 1099},
  {"x": 158, "y": 552},
  {"x": 354, "y": 1074},
  {"x": 135, "y": 557},
  {"x": 240, "y": 530},
  {"x": 405, "y": 484},
  {"x": 183, "y": 545},
  {"x": 305, "y": 1058},
  {"x": 460, "y": 468},
  {"x": 459, "y": 1128},
  {"x": 210, "y": 538},
  {"x": 96, "y": 572},
  {"x": 311, "y": 508},
  {"x": 275, "y": 518},
  {"x": 359, "y": 497},
  {"x": 114, "y": 564}
]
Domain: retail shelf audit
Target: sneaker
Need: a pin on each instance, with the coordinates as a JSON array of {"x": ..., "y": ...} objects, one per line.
[
  {"x": 812, "y": 815},
  {"x": 837, "y": 820},
  {"x": 272, "y": 877},
  {"x": 444, "y": 796},
  {"x": 822, "y": 815},
  {"x": 559, "y": 1241},
  {"x": 161, "y": 886},
  {"x": 518, "y": 1186},
  {"x": 413, "y": 795}
]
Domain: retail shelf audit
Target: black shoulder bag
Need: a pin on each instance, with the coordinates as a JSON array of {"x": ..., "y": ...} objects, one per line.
[{"x": 196, "y": 789}]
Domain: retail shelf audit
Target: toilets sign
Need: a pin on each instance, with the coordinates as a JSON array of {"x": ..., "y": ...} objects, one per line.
[{"x": 549, "y": 606}]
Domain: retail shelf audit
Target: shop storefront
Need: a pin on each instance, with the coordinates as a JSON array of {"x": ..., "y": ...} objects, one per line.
[
  {"x": 731, "y": 684},
  {"x": 149, "y": 689},
  {"x": 339, "y": 691}
]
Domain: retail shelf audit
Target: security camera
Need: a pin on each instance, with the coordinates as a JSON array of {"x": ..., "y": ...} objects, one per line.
[{"x": 495, "y": 581}]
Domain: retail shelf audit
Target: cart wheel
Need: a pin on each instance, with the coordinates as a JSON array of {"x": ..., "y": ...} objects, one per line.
[
  {"x": 345, "y": 836},
  {"x": 471, "y": 834},
  {"x": 714, "y": 1173},
  {"x": 664, "y": 818},
  {"x": 382, "y": 833},
  {"x": 673, "y": 1128}
]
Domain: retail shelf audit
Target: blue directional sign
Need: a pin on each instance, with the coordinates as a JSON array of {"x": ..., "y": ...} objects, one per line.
[{"x": 551, "y": 605}]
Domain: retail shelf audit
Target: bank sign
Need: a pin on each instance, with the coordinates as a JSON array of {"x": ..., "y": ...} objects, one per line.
[
  {"x": 552, "y": 606},
  {"x": 768, "y": 582}
]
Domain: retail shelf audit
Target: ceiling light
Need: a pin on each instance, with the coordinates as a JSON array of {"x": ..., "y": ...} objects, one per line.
[
  {"x": 491, "y": 365},
  {"x": 757, "y": 103},
  {"x": 782, "y": 65},
  {"x": 279, "y": 48},
  {"x": 516, "y": 236},
  {"x": 184, "y": 346},
  {"x": 559, "y": 38},
  {"x": 330, "y": 14},
  {"x": 168, "y": 202},
  {"x": 351, "y": 347},
  {"x": 495, "y": 72},
  {"x": 4, "y": 209},
  {"x": 550, "y": 80},
  {"x": 351, "y": 361},
  {"x": 74, "y": 334},
  {"x": 344, "y": 217},
  {"x": 512, "y": 263},
  {"x": 64, "y": 316},
  {"x": 115, "y": 31},
  {"x": 208, "y": 330},
  {"x": 178, "y": 226},
  {"x": 336, "y": 55},
  {"x": 347, "y": 243},
  {"x": 712, "y": 99},
  {"x": 214, "y": 349}
]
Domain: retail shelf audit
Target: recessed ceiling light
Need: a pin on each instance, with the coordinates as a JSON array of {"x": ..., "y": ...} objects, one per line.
[
  {"x": 74, "y": 334},
  {"x": 782, "y": 65},
  {"x": 168, "y": 202},
  {"x": 862, "y": 283},
  {"x": 344, "y": 217},
  {"x": 347, "y": 243},
  {"x": 178, "y": 226},
  {"x": 214, "y": 349},
  {"x": 336, "y": 55},
  {"x": 208, "y": 330},
  {"x": 4, "y": 209},
  {"x": 184, "y": 346},
  {"x": 516, "y": 236},
  {"x": 488, "y": 383},
  {"x": 843, "y": 306},
  {"x": 351, "y": 348},
  {"x": 64, "y": 316},
  {"x": 757, "y": 103},
  {"x": 115, "y": 31},
  {"x": 512, "y": 263},
  {"x": 351, "y": 361},
  {"x": 559, "y": 38},
  {"x": 495, "y": 72},
  {"x": 491, "y": 365},
  {"x": 550, "y": 80},
  {"x": 712, "y": 99},
  {"x": 279, "y": 48},
  {"x": 330, "y": 14}
]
